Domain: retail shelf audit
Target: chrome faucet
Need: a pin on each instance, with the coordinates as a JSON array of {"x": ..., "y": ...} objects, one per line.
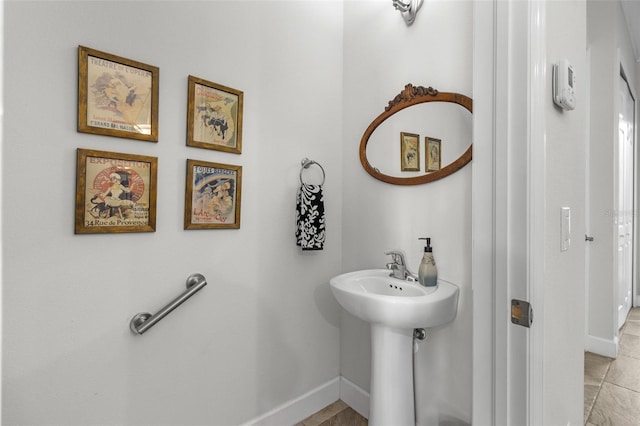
[{"x": 398, "y": 266}]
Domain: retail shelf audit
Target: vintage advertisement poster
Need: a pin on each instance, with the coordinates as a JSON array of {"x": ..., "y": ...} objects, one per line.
[
  {"x": 433, "y": 154},
  {"x": 214, "y": 195},
  {"x": 409, "y": 152},
  {"x": 216, "y": 117},
  {"x": 116, "y": 192},
  {"x": 119, "y": 97}
]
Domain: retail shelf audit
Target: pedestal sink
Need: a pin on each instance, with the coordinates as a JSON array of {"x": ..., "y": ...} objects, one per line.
[{"x": 393, "y": 307}]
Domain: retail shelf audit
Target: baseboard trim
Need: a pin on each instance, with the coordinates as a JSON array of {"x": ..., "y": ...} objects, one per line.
[
  {"x": 600, "y": 346},
  {"x": 302, "y": 407},
  {"x": 355, "y": 397}
]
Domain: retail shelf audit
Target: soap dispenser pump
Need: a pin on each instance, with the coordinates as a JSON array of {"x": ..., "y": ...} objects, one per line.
[{"x": 428, "y": 273}]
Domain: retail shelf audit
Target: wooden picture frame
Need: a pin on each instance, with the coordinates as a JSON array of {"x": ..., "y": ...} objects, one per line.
[
  {"x": 115, "y": 193},
  {"x": 409, "y": 152},
  {"x": 412, "y": 96},
  {"x": 117, "y": 96},
  {"x": 212, "y": 195},
  {"x": 433, "y": 154},
  {"x": 214, "y": 116}
]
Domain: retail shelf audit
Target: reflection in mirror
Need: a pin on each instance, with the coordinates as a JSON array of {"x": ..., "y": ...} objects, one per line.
[
  {"x": 450, "y": 123},
  {"x": 442, "y": 117}
]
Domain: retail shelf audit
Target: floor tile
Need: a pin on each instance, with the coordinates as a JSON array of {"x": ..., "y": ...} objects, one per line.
[
  {"x": 590, "y": 394},
  {"x": 615, "y": 406},
  {"x": 634, "y": 314},
  {"x": 632, "y": 327},
  {"x": 625, "y": 372},
  {"x": 346, "y": 417},
  {"x": 595, "y": 368},
  {"x": 324, "y": 414},
  {"x": 615, "y": 399},
  {"x": 629, "y": 345}
]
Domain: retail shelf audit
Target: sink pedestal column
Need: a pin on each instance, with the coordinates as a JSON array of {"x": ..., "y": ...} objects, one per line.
[{"x": 391, "y": 399}]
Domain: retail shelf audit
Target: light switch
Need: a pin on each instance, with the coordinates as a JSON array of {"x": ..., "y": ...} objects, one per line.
[{"x": 565, "y": 228}]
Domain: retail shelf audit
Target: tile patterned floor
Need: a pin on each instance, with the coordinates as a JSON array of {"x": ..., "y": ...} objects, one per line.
[
  {"x": 612, "y": 386},
  {"x": 336, "y": 414}
]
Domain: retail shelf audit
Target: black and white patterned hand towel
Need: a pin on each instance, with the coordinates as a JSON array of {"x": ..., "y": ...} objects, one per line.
[{"x": 310, "y": 220}]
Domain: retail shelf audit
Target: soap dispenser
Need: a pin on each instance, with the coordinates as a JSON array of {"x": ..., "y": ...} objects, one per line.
[{"x": 427, "y": 273}]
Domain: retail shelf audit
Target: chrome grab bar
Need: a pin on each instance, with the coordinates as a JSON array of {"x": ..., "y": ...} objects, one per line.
[{"x": 143, "y": 321}]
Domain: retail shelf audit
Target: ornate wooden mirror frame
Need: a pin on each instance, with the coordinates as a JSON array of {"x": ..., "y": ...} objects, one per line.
[{"x": 413, "y": 96}]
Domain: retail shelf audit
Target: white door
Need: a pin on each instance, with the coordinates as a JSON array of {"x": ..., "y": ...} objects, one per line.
[{"x": 625, "y": 187}]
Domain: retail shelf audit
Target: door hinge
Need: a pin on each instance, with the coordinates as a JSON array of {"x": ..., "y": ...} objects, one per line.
[{"x": 521, "y": 313}]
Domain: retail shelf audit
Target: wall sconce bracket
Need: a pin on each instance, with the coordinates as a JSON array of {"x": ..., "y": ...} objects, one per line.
[{"x": 408, "y": 9}]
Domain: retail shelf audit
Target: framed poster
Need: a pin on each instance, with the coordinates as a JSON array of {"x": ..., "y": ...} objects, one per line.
[
  {"x": 117, "y": 96},
  {"x": 214, "y": 116},
  {"x": 409, "y": 152},
  {"x": 212, "y": 195},
  {"x": 433, "y": 147},
  {"x": 115, "y": 192}
]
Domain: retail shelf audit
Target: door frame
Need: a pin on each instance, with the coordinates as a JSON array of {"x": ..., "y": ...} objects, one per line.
[
  {"x": 498, "y": 393},
  {"x": 484, "y": 393}
]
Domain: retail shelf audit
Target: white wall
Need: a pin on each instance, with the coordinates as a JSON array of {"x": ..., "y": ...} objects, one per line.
[
  {"x": 609, "y": 47},
  {"x": 266, "y": 328},
  {"x": 381, "y": 55},
  {"x": 564, "y": 176}
]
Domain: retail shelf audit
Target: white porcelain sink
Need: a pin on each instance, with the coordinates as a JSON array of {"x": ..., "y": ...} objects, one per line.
[
  {"x": 374, "y": 296},
  {"x": 393, "y": 308}
]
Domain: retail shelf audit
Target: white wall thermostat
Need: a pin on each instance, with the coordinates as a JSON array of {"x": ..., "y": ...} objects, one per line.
[{"x": 564, "y": 81}]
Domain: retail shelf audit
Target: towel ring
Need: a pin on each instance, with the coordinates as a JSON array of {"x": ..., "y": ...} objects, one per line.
[{"x": 306, "y": 163}]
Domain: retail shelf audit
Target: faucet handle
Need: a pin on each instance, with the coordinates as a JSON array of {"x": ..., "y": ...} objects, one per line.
[{"x": 396, "y": 256}]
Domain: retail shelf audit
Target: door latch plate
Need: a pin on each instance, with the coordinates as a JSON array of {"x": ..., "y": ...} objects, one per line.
[{"x": 521, "y": 313}]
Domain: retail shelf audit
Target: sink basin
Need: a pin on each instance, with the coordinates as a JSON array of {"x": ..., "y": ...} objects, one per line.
[
  {"x": 393, "y": 308},
  {"x": 372, "y": 295}
]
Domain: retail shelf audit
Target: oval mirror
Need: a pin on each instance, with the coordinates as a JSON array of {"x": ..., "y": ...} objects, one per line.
[{"x": 410, "y": 148}]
